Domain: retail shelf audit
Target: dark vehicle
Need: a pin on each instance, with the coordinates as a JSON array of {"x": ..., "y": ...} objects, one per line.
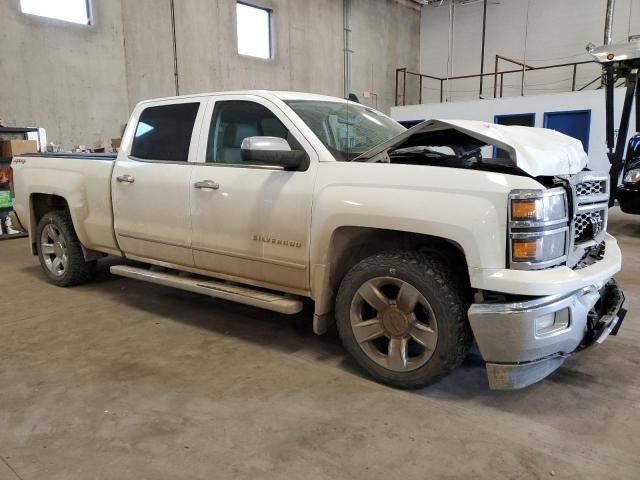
[{"x": 628, "y": 192}]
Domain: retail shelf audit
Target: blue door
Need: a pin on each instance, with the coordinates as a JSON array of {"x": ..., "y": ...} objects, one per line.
[{"x": 575, "y": 123}]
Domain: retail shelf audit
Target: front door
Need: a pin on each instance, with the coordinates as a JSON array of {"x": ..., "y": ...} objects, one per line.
[
  {"x": 151, "y": 183},
  {"x": 254, "y": 223}
]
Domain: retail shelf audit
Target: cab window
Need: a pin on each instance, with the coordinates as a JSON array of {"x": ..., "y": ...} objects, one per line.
[
  {"x": 235, "y": 120},
  {"x": 164, "y": 132}
]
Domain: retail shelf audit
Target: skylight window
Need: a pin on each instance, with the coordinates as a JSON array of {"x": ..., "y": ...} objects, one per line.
[
  {"x": 254, "y": 30},
  {"x": 74, "y": 11}
]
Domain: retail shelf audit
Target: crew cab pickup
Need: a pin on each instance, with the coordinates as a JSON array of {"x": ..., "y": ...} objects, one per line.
[{"x": 414, "y": 241}]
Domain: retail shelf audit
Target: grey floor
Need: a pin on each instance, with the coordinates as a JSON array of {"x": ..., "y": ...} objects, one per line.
[{"x": 119, "y": 380}]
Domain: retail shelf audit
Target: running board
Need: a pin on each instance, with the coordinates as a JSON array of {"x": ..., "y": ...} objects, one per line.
[{"x": 213, "y": 288}]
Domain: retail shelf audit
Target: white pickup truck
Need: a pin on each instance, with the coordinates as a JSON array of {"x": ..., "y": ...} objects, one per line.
[{"x": 415, "y": 241}]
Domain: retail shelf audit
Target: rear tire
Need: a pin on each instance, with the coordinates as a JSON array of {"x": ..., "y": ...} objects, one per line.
[
  {"x": 60, "y": 252},
  {"x": 403, "y": 317}
]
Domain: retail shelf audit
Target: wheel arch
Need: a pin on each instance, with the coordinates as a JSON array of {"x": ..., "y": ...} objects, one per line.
[
  {"x": 39, "y": 205},
  {"x": 351, "y": 244},
  {"x": 42, "y": 203}
]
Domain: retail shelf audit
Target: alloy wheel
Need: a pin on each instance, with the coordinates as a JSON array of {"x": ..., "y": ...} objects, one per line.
[
  {"x": 394, "y": 324},
  {"x": 54, "y": 250}
]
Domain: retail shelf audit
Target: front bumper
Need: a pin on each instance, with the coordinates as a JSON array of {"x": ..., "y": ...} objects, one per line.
[
  {"x": 518, "y": 352},
  {"x": 550, "y": 281}
]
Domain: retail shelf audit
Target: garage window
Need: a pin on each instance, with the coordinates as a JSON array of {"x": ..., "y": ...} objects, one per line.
[
  {"x": 74, "y": 11},
  {"x": 254, "y": 30}
]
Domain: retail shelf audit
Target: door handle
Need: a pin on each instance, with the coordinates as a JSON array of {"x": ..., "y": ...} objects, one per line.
[
  {"x": 207, "y": 184},
  {"x": 125, "y": 179}
]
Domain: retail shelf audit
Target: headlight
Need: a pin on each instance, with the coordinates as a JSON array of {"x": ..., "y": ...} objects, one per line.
[
  {"x": 538, "y": 228},
  {"x": 532, "y": 208},
  {"x": 632, "y": 177}
]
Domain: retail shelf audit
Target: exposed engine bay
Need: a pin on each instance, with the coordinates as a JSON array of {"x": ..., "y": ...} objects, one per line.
[
  {"x": 453, "y": 149},
  {"x": 536, "y": 152}
]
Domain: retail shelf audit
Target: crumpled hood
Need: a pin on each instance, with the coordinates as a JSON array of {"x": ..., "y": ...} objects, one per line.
[{"x": 536, "y": 151}]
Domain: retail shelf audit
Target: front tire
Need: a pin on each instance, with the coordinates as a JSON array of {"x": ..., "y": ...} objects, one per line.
[
  {"x": 60, "y": 252},
  {"x": 402, "y": 316}
]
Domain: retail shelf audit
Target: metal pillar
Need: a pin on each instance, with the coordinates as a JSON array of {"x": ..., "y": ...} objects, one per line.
[
  {"x": 608, "y": 86},
  {"x": 175, "y": 49},
  {"x": 347, "y": 47},
  {"x": 484, "y": 35},
  {"x": 617, "y": 156},
  {"x": 608, "y": 22}
]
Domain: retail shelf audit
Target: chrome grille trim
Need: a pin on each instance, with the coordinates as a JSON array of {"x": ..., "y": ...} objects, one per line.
[
  {"x": 588, "y": 224},
  {"x": 591, "y": 187},
  {"x": 590, "y": 192}
]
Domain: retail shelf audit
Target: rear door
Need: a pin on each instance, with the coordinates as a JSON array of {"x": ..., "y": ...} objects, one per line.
[{"x": 151, "y": 182}]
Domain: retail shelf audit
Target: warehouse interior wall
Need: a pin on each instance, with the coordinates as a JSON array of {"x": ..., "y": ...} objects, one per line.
[
  {"x": 307, "y": 48},
  {"x": 552, "y": 31},
  {"x": 386, "y": 36},
  {"x": 80, "y": 82},
  {"x": 67, "y": 78}
]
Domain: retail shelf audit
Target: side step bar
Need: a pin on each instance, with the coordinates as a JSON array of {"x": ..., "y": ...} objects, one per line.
[{"x": 213, "y": 288}]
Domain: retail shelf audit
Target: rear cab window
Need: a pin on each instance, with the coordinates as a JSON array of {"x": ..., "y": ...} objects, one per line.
[{"x": 164, "y": 132}]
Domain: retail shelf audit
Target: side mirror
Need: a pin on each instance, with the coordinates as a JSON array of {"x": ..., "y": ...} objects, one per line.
[{"x": 272, "y": 151}]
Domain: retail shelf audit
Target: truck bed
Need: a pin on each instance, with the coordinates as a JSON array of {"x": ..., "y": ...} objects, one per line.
[
  {"x": 82, "y": 156},
  {"x": 82, "y": 179}
]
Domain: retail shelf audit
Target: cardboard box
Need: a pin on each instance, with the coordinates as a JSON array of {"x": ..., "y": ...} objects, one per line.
[
  {"x": 12, "y": 148},
  {"x": 115, "y": 142},
  {"x": 103, "y": 149}
]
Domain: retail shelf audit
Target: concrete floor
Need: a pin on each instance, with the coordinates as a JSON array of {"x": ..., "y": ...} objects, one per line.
[{"x": 119, "y": 379}]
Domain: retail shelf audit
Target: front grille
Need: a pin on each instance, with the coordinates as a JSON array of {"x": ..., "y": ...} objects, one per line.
[
  {"x": 590, "y": 210},
  {"x": 591, "y": 188},
  {"x": 587, "y": 225}
]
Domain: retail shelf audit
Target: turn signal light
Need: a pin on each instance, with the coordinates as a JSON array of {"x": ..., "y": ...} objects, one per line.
[
  {"x": 526, "y": 250},
  {"x": 538, "y": 227},
  {"x": 523, "y": 209}
]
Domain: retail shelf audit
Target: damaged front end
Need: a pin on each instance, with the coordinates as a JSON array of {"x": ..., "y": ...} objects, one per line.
[
  {"x": 523, "y": 341},
  {"x": 523, "y": 338},
  {"x": 536, "y": 152}
]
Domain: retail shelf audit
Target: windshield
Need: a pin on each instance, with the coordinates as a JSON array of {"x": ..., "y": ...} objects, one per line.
[{"x": 346, "y": 129}]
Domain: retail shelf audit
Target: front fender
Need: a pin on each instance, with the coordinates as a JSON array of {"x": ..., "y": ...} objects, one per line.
[{"x": 476, "y": 223}]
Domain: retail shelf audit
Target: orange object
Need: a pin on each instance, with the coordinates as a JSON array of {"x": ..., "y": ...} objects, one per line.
[
  {"x": 525, "y": 250},
  {"x": 523, "y": 210}
]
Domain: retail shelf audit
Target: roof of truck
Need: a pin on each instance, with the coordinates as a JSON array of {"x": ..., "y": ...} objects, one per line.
[{"x": 282, "y": 95}]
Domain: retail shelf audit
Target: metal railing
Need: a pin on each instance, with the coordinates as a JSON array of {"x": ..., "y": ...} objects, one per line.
[{"x": 498, "y": 78}]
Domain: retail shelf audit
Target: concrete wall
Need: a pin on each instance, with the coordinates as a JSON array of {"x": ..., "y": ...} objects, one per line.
[
  {"x": 79, "y": 82},
  {"x": 69, "y": 79},
  {"x": 486, "y": 110},
  {"x": 386, "y": 36},
  {"x": 556, "y": 31},
  {"x": 307, "y": 47}
]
